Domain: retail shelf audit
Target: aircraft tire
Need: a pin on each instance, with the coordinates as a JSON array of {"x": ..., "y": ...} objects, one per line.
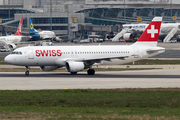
[
  {"x": 73, "y": 73},
  {"x": 91, "y": 72},
  {"x": 27, "y": 73}
]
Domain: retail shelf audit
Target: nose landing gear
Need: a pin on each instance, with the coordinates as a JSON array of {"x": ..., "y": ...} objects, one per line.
[{"x": 27, "y": 70}]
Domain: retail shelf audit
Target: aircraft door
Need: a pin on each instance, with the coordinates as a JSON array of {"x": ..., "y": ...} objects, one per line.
[
  {"x": 30, "y": 53},
  {"x": 136, "y": 52}
]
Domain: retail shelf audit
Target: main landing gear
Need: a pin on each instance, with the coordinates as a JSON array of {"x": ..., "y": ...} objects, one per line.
[
  {"x": 27, "y": 70},
  {"x": 91, "y": 72},
  {"x": 73, "y": 73}
]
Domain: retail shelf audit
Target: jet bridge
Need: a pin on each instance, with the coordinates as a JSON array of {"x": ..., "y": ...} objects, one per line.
[
  {"x": 4, "y": 47},
  {"x": 170, "y": 35}
]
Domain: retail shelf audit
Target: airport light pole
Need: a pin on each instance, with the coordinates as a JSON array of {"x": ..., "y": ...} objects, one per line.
[
  {"x": 51, "y": 15},
  {"x": 124, "y": 12},
  {"x": 171, "y": 11},
  {"x": 154, "y": 9}
]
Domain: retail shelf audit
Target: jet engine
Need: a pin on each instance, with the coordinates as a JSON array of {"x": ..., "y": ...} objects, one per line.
[
  {"x": 48, "y": 68},
  {"x": 74, "y": 66},
  {"x": 128, "y": 36},
  {"x": 13, "y": 46}
]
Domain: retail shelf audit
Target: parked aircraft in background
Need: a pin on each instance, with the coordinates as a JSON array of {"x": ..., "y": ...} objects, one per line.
[
  {"x": 78, "y": 58},
  {"x": 85, "y": 41},
  {"x": 40, "y": 35},
  {"x": 131, "y": 32},
  {"x": 82, "y": 41},
  {"x": 12, "y": 40}
]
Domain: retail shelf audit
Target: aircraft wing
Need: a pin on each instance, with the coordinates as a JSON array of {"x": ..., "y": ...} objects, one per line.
[
  {"x": 106, "y": 58},
  {"x": 99, "y": 59}
]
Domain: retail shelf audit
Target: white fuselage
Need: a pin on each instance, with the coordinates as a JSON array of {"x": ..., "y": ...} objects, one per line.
[
  {"x": 11, "y": 39},
  {"x": 164, "y": 30},
  {"x": 47, "y": 34},
  {"x": 59, "y": 55}
]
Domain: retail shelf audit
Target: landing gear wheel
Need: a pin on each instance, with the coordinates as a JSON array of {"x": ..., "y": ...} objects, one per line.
[
  {"x": 91, "y": 72},
  {"x": 73, "y": 73},
  {"x": 27, "y": 73},
  {"x": 27, "y": 70}
]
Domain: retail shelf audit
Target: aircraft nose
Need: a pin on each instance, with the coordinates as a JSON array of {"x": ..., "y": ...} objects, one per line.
[{"x": 8, "y": 59}]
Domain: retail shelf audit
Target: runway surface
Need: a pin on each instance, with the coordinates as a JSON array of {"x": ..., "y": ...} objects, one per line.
[{"x": 162, "y": 78}]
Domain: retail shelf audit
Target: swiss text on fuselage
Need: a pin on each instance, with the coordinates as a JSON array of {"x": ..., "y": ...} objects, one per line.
[{"x": 45, "y": 53}]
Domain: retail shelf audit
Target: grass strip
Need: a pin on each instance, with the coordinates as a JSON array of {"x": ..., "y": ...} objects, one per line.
[
  {"x": 162, "y": 104},
  {"x": 1, "y": 58},
  {"x": 41, "y": 113}
]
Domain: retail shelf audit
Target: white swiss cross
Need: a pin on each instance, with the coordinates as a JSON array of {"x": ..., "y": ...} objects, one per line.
[{"x": 152, "y": 31}]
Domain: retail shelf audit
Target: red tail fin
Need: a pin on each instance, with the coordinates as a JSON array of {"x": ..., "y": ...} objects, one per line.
[
  {"x": 151, "y": 34},
  {"x": 19, "y": 30}
]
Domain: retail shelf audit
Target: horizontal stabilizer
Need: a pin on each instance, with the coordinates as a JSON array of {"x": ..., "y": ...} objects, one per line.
[
  {"x": 155, "y": 49},
  {"x": 33, "y": 32}
]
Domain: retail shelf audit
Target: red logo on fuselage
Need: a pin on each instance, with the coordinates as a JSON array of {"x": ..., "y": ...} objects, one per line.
[{"x": 49, "y": 53}]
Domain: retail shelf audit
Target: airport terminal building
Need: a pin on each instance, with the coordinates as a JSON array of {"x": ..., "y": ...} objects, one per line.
[{"x": 70, "y": 19}]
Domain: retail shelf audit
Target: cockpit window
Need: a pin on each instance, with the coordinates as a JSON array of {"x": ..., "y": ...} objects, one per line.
[
  {"x": 179, "y": 26},
  {"x": 17, "y": 53}
]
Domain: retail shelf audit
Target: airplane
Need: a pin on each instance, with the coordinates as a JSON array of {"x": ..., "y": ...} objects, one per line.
[
  {"x": 12, "y": 40},
  {"x": 78, "y": 58},
  {"x": 133, "y": 31},
  {"x": 82, "y": 41},
  {"x": 39, "y": 35}
]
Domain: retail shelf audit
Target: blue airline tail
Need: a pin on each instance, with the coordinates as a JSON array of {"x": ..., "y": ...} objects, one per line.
[{"x": 32, "y": 30}]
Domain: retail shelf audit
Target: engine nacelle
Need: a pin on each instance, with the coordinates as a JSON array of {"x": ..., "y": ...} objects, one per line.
[
  {"x": 127, "y": 36},
  {"x": 58, "y": 39},
  {"x": 13, "y": 46},
  {"x": 48, "y": 68},
  {"x": 74, "y": 66}
]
